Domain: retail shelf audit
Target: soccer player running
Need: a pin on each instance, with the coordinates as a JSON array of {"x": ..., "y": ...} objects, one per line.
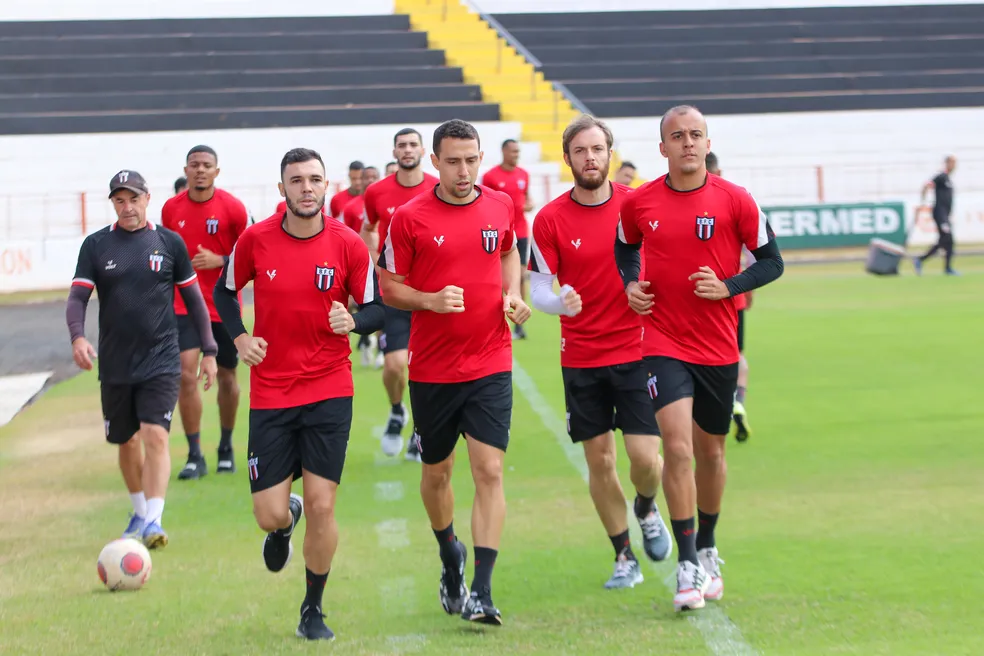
[
  {"x": 942, "y": 207},
  {"x": 134, "y": 267},
  {"x": 345, "y": 196},
  {"x": 450, "y": 257},
  {"x": 742, "y": 429},
  {"x": 605, "y": 378},
  {"x": 382, "y": 200},
  {"x": 304, "y": 267},
  {"x": 209, "y": 221},
  {"x": 351, "y": 216},
  {"x": 691, "y": 228},
  {"x": 626, "y": 174},
  {"x": 514, "y": 181}
]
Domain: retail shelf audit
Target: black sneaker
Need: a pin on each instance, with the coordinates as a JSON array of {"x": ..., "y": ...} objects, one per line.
[
  {"x": 518, "y": 332},
  {"x": 226, "y": 463},
  {"x": 312, "y": 625},
  {"x": 453, "y": 590},
  {"x": 277, "y": 549},
  {"x": 479, "y": 608},
  {"x": 413, "y": 449},
  {"x": 194, "y": 469}
]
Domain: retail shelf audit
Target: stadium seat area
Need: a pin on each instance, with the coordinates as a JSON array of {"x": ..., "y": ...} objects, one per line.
[
  {"x": 116, "y": 76},
  {"x": 622, "y": 64}
]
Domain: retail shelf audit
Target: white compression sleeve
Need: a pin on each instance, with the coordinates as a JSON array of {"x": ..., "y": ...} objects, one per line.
[{"x": 543, "y": 296}]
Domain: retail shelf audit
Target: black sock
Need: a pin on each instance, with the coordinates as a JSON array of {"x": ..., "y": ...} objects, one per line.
[
  {"x": 194, "y": 446},
  {"x": 740, "y": 395},
  {"x": 643, "y": 505},
  {"x": 446, "y": 541},
  {"x": 621, "y": 544},
  {"x": 705, "y": 529},
  {"x": 685, "y": 536},
  {"x": 397, "y": 408},
  {"x": 315, "y": 588},
  {"x": 225, "y": 442},
  {"x": 484, "y": 562}
]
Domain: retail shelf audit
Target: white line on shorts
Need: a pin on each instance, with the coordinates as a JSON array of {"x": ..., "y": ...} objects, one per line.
[{"x": 720, "y": 634}]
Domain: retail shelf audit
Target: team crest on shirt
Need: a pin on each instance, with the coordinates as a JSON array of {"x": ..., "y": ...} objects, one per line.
[
  {"x": 156, "y": 262},
  {"x": 490, "y": 239},
  {"x": 324, "y": 276},
  {"x": 705, "y": 227},
  {"x": 212, "y": 225}
]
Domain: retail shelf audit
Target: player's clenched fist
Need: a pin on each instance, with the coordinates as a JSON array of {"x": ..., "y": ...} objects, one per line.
[
  {"x": 708, "y": 286},
  {"x": 341, "y": 322},
  {"x": 572, "y": 301},
  {"x": 639, "y": 300},
  {"x": 82, "y": 353},
  {"x": 516, "y": 309},
  {"x": 450, "y": 299},
  {"x": 251, "y": 349}
]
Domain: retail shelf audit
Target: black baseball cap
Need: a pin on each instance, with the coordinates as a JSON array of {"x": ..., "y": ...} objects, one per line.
[{"x": 130, "y": 180}]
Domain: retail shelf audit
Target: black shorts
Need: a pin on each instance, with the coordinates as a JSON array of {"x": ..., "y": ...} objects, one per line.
[
  {"x": 188, "y": 339},
  {"x": 607, "y": 398},
  {"x": 711, "y": 387},
  {"x": 523, "y": 245},
  {"x": 396, "y": 330},
  {"x": 127, "y": 406},
  {"x": 284, "y": 442},
  {"x": 443, "y": 412},
  {"x": 741, "y": 331}
]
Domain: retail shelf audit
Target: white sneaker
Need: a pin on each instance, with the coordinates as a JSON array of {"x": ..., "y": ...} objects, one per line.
[
  {"x": 380, "y": 360},
  {"x": 692, "y": 580},
  {"x": 392, "y": 440},
  {"x": 712, "y": 565},
  {"x": 366, "y": 353}
]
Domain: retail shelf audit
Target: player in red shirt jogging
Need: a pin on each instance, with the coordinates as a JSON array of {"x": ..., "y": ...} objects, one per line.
[
  {"x": 455, "y": 246},
  {"x": 382, "y": 201},
  {"x": 510, "y": 179},
  {"x": 605, "y": 378},
  {"x": 209, "y": 220},
  {"x": 742, "y": 429},
  {"x": 352, "y": 216},
  {"x": 345, "y": 196},
  {"x": 691, "y": 227},
  {"x": 304, "y": 267}
]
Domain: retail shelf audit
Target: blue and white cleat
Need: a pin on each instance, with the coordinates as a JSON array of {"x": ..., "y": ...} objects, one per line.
[
  {"x": 627, "y": 574},
  {"x": 655, "y": 536},
  {"x": 154, "y": 536},
  {"x": 134, "y": 530}
]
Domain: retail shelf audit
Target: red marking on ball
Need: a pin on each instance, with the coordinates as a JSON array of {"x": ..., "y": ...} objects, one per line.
[
  {"x": 102, "y": 573},
  {"x": 132, "y": 564}
]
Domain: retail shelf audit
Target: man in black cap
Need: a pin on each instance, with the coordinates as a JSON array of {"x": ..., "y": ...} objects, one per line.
[{"x": 134, "y": 266}]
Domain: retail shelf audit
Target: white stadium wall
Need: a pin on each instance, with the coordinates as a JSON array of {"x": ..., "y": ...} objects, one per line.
[
  {"x": 568, "y": 6},
  {"x": 53, "y": 188},
  {"x": 838, "y": 157},
  {"x": 11, "y": 10}
]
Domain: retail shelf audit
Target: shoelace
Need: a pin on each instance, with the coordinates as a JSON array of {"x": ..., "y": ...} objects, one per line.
[
  {"x": 687, "y": 575},
  {"x": 712, "y": 563},
  {"x": 651, "y": 526},
  {"x": 623, "y": 567}
]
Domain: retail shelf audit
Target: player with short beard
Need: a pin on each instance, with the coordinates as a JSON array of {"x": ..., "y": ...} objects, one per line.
[
  {"x": 304, "y": 267},
  {"x": 605, "y": 378}
]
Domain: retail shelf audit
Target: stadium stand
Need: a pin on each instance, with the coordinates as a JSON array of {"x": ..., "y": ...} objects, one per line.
[
  {"x": 639, "y": 63},
  {"x": 145, "y": 75}
]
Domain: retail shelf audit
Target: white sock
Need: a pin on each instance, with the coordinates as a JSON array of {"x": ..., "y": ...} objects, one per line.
[
  {"x": 139, "y": 502},
  {"x": 155, "y": 510}
]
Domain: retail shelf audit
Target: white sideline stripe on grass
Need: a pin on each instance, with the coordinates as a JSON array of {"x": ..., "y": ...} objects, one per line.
[
  {"x": 720, "y": 634},
  {"x": 407, "y": 644},
  {"x": 389, "y": 490},
  {"x": 17, "y": 390},
  {"x": 392, "y": 534}
]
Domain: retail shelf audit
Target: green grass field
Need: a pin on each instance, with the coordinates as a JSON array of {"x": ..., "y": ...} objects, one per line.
[{"x": 851, "y": 525}]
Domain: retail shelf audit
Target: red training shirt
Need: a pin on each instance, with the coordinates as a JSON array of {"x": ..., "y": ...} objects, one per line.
[
  {"x": 574, "y": 242},
  {"x": 384, "y": 197},
  {"x": 436, "y": 244},
  {"x": 294, "y": 283},
  {"x": 215, "y": 225},
  {"x": 339, "y": 201},
  {"x": 516, "y": 184},
  {"x": 353, "y": 212},
  {"x": 681, "y": 232}
]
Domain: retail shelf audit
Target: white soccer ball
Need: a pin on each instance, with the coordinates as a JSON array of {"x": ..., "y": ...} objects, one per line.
[{"x": 124, "y": 565}]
